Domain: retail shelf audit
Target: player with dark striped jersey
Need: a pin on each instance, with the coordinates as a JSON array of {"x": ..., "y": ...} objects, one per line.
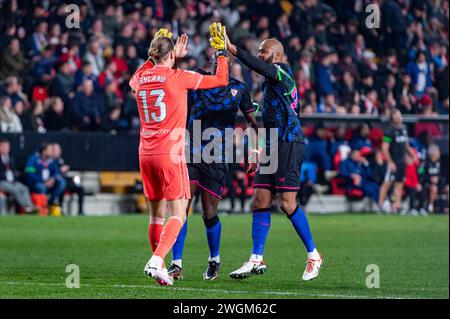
[
  {"x": 280, "y": 111},
  {"x": 214, "y": 109}
]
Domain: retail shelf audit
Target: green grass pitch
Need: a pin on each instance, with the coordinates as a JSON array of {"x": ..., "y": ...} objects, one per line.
[{"x": 411, "y": 253}]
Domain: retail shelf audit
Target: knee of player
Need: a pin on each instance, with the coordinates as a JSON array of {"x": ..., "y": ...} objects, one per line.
[
  {"x": 288, "y": 206},
  {"x": 209, "y": 212},
  {"x": 258, "y": 204}
]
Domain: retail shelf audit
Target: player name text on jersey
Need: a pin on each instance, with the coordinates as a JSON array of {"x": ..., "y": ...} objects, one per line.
[{"x": 154, "y": 78}]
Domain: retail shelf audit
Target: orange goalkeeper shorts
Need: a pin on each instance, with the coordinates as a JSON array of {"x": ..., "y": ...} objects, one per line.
[{"x": 164, "y": 176}]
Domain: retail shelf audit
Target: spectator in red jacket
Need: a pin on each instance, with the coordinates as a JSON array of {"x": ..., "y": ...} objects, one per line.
[{"x": 413, "y": 187}]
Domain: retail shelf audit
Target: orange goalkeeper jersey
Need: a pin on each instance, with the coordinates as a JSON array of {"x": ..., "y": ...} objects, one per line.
[{"x": 161, "y": 94}]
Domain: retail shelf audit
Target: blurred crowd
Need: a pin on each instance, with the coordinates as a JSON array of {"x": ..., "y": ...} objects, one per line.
[{"x": 57, "y": 78}]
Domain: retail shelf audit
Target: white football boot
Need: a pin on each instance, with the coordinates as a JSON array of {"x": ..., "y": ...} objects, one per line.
[
  {"x": 154, "y": 269},
  {"x": 312, "y": 268},
  {"x": 414, "y": 212},
  {"x": 249, "y": 268}
]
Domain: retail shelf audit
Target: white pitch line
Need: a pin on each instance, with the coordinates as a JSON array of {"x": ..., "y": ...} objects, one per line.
[{"x": 274, "y": 293}]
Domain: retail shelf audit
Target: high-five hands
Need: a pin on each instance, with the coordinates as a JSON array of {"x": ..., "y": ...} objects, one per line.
[
  {"x": 181, "y": 48},
  {"x": 217, "y": 33}
]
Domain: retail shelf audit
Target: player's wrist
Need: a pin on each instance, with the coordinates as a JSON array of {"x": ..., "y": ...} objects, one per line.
[
  {"x": 232, "y": 49},
  {"x": 218, "y": 53}
]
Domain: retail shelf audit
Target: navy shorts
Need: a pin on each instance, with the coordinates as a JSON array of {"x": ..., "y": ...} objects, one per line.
[
  {"x": 286, "y": 178},
  {"x": 209, "y": 177}
]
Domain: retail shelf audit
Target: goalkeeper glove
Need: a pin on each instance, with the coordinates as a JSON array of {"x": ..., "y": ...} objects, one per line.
[{"x": 217, "y": 39}]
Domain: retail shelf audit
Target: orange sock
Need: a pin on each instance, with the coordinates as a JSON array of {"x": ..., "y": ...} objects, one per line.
[
  {"x": 155, "y": 229},
  {"x": 169, "y": 236}
]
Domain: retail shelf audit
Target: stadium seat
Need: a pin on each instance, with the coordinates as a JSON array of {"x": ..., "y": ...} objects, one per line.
[
  {"x": 40, "y": 200},
  {"x": 337, "y": 186},
  {"x": 118, "y": 182},
  {"x": 354, "y": 194}
]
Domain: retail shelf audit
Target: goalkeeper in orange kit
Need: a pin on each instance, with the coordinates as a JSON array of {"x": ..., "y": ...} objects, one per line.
[{"x": 161, "y": 94}]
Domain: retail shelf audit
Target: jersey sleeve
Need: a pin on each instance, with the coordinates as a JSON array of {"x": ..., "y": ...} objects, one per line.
[
  {"x": 388, "y": 136},
  {"x": 189, "y": 79},
  {"x": 246, "y": 105},
  {"x": 265, "y": 69},
  {"x": 134, "y": 81},
  {"x": 193, "y": 80}
]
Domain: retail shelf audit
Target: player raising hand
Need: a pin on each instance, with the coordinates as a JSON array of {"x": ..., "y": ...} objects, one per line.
[
  {"x": 161, "y": 94},
  {"x": 280, "y": 111}
]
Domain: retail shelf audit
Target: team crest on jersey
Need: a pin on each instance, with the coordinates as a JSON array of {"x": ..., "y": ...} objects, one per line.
[{"x": 233, "y": 92}]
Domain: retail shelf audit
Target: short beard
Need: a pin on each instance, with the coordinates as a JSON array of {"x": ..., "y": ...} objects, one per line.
[{"x": 269, "y": 59}]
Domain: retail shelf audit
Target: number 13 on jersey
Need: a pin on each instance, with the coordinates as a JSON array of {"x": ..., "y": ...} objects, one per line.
[{"x": 158, "y": 103}]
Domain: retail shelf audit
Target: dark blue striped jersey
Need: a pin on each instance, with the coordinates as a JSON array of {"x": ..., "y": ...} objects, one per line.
[
  {"x": 216, "y": 109},
  {"x": 280, "y": 105}
]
